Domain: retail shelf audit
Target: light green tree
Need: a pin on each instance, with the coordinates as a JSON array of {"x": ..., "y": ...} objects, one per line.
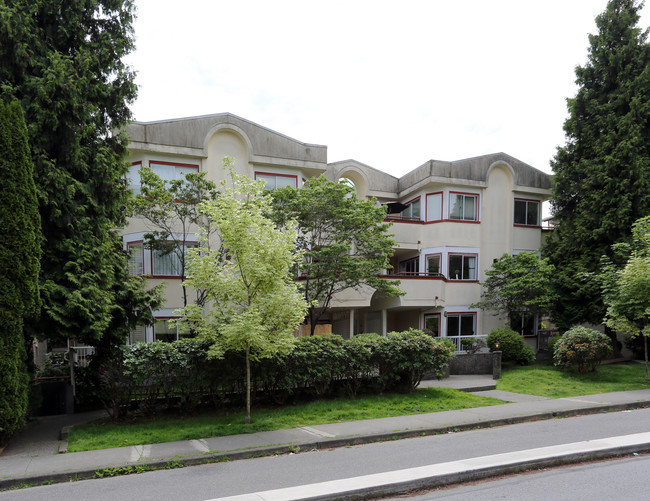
[
  {"x": 253, "y": 302},
  {"x": 626, "y": 291}
]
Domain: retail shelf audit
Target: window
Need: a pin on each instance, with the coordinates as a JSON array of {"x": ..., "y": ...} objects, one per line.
[
  {"x": 527, "y": 212},
  {"x": 432, "y": 324},
  {"x": 460, "y": 324},
  {"x": 462, "y": 267},
  {"x": 433, "y": 264},
  {"x": 136, "y": 258},
  {"x": 168, "y": 171},
  {"x": 413, "y": 210},
  {"x": 166, "y": 333},
  {"x": 410, "y": 266},
  {"x": 275, "y": 181},
  {"x": 168, "y": 264},
  {"x": 463, "y": 207},
  {"x": 434, "y": 206},
  {"x": 133, "y": 177},
  {"x": 524, "y": 323}
]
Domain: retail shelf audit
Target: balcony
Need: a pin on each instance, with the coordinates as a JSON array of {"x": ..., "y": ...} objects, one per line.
[{"x": 422, "y": 289}]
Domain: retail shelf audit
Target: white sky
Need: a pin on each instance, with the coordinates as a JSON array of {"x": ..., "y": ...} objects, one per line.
[{"x": 390, "y": 84}]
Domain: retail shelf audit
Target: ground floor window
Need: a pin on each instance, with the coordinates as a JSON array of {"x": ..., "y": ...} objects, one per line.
[
  {"x": 461, "y": 324},
  {"x": 167, "y": 333},
  {"x": 524, "y": 324},
  {"x": 432, "y": 324}
]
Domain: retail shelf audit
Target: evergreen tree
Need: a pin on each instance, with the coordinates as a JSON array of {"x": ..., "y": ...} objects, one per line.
[
  {"x": 63, "y": 61},
  {"x": 19, "y": 265},
  {"x": 602, "y": 174}
]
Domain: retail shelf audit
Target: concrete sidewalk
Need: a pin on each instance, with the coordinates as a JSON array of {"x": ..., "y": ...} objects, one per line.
[{"x": 32, "y": 457}]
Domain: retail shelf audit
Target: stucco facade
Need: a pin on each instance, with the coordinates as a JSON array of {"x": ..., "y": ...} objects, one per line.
[{"x": 459, "y": 217}]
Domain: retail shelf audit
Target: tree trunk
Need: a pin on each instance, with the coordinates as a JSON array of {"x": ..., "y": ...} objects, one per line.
[
  {"x": 645, "y": 350},
  {"x": 247, "y": 420}
]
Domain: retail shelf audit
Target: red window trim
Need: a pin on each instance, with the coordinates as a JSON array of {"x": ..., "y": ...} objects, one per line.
[
  {"x": 461, "y": 254},
  {"x": 478, "y": 207},
  {"x": 426, "y": 206},
  {"x": 175, "y": 164}
]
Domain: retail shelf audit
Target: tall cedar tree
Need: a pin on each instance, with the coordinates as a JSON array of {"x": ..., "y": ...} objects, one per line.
[
  {"x": 20, "y": 227},
  {"x": 63, "y": 61},
  {"x": 602, "y": 174},
  {"x": 345, "y": 240}
]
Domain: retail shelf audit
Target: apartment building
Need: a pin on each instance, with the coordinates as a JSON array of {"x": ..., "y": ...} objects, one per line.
[{"x": 451, "y": 220}]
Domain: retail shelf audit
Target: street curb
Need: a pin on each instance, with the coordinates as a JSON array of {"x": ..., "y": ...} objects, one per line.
[{"x": 327, "y": 443}]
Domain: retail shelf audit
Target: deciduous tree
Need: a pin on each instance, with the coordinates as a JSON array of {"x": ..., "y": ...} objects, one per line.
[
  {"x": 518, "y": 285},
  {"x": 345, "y": 240},
  {"x": 602, "y": 174},
  {"x": 254, "y": 304},
  {"x": 171, "y": 208},
  {"x": 626, "y": 291}
]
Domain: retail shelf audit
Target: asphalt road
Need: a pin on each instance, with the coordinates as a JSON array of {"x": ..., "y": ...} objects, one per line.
[
  {"x": 238, "y": 477},
  {"x": 605, "y": 480}
]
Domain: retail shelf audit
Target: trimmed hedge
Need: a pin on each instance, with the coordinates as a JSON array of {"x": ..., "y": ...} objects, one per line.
[{"x": 179, "y": 375}]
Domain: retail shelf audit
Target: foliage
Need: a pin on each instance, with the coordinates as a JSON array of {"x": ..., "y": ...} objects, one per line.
[
  {"x": 582, "y": 348},
  {"x": 149, "y": 377},
  {"x": 255, "y": 304},
  {"x": 511, "y": 345},
  {"x": 345, "y": 240},
  {"x": 171, "y": 208},
  {"x": 63, "y": 62},
  {"x": 54, "y": 364},
  {"x": 102, "y": 435},
  {"x": 626, "y": 291},
  {"x": 553, "y": 382},
  {"x": 602, "y": 174},
  {"x": 518, "y": 284},
  {"x": 19, "y": 266},
  {"x": 472, "y": 344},
  {"x": 552, "y": 342}
]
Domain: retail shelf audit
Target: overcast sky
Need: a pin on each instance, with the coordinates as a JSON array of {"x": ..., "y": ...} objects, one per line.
[{"x": 390, "y": 84}]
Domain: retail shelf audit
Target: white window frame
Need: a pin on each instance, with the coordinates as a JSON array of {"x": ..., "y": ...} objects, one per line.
[
  {"x": 454, "y": 195},
  {"x": 463, "y": 266},
  {"x": 526, "y": 212}
]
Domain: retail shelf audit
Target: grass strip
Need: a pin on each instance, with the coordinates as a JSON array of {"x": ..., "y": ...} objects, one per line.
[
  {"x": 550, "y": 381},
  {"x": 105, "y": 434}
]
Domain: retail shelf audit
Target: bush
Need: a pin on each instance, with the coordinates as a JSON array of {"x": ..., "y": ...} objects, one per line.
[
  {"x": 404, "y": 357},
  {"x": 472, "y": 344},
  {"x": 511, "y": 345},
  {"x": 581, "y": 348},
  {"x": 552, "y": 342}
]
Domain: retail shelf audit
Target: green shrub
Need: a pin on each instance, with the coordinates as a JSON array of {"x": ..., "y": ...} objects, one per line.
[
  {"x": 552, "y": 342},
  {"x": 581, "y": 348},
  {"x": 511, "y": 343},
  {"x": 472, "y": 344},
  {"x": 54, "y": 365},
  {"x": 404, "y": 357},
  {"x": 526, "y": 356}
]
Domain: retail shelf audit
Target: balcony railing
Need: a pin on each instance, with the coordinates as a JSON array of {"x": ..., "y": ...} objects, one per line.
[
  {"x": 459, "y": 341},
  {"x": 413, "y": 274}
]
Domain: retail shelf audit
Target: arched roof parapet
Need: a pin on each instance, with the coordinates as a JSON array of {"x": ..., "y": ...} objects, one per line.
[
  {"x": 501, "y": 163},
  {"x": 229, "y": 127}
]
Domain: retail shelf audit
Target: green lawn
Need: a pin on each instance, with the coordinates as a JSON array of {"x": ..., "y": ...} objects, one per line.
[
  {"x": 103, "y": 434},
  {"x": 549, "y": 381}
]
